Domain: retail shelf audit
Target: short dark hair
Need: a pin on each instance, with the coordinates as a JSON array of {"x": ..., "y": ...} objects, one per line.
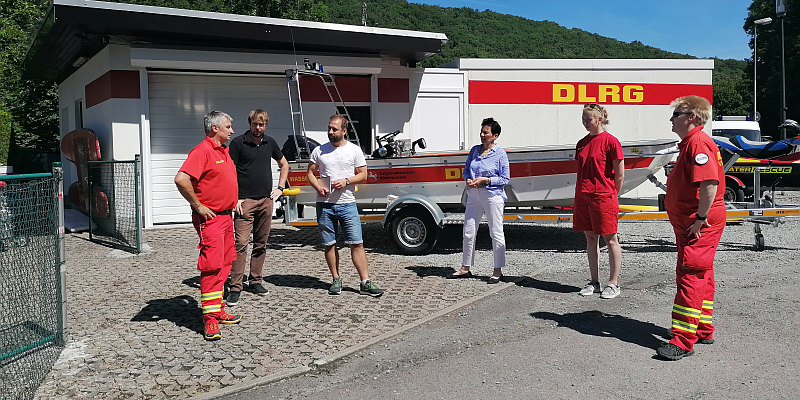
[{"x": 492, "y": 124}]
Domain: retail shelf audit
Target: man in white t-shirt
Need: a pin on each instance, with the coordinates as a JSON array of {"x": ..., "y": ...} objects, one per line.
[{"x": 340, "y": 165}]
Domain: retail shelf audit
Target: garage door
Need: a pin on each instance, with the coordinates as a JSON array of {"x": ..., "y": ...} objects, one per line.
[{"x": 178, "y": 103}]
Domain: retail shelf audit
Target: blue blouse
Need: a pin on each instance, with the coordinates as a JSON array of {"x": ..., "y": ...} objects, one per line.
[{"x": 493, "y": 166}]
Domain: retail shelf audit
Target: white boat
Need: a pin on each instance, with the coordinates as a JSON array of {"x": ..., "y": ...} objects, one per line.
[{"x": 540, "y": 176}]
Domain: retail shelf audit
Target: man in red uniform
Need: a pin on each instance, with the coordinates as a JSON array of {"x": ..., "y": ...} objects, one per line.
[
  {"x": 696, "y": 210},
  {"x": 207, "y": 180}
]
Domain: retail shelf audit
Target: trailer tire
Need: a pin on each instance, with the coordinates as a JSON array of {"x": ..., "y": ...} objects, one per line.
[
  {"x": 414, "y": 231},
  {"x": 734, "y": 194}
]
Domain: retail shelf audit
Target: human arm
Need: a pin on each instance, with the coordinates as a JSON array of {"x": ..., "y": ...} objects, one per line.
[
  {"x": 619, "y": 173},
  {"x": 707, "y": 192},
  {"x": 360, "y": 176},
  {"x": 467, "y": 174},
  {"x": 311, "y": 175},
  {"x": 183, "y": 181},
  {"x": 282, "y": 177}
]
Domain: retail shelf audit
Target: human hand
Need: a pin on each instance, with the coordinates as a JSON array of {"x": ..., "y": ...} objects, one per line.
[
  {"x": 238, "y": 207},
  {"x": 323, "y": 192},
  {"x": 339, "y": 184},
  {"x": 205, "y": 212},
  {"x": 694, "y": 230},
  {"x": 275, "y": 194}
]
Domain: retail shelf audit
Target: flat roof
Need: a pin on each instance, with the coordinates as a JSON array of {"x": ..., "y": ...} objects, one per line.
[
  {"x": 580, "y": 64},
  {"x": 81, "y": 28}
]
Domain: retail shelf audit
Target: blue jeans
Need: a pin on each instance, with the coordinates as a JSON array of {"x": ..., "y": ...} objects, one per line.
[{"x": 331, "y": 216}]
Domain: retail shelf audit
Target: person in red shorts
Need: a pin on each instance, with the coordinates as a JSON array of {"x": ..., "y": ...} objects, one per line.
[
  {"x": 696, "y": 209},
  {"x": 601, "y": 171},
  {"x": 207, "y": 180}
]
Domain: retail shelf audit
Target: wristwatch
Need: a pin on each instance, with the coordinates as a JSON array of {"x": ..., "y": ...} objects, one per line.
[
  {"x": 281, "y": 188},
  {"x": 346, "y": 181},
  {"x": 699, "y": 218}
]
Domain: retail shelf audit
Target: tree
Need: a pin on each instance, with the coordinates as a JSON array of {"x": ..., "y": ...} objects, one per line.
[{"x": 769, "y": 62}]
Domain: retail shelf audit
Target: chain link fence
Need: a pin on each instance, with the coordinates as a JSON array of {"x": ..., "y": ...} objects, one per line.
[
  {"x": 32, "y": 278},
  {"x": 115, "y": 204}
]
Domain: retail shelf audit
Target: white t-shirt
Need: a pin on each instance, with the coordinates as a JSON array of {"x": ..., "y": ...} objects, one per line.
[{"x": 338, "y": 163}]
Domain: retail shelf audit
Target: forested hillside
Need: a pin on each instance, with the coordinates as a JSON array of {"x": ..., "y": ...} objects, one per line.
[{"x": 32, "y": 107}]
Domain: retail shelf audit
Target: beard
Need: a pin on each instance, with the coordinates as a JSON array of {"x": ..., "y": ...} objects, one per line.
[{"x": 335, "y": 139}]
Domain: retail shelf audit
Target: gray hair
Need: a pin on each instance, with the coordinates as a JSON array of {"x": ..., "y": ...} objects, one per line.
[{"x": 215, "y": 118}]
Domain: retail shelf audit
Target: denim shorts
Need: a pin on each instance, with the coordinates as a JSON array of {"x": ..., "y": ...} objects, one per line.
[{"x": 331, "y": 216}]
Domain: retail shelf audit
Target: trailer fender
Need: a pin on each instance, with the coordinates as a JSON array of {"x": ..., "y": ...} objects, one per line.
[
  {"x": 736, "y": 180},
  {"x": 400, "y": 202}
]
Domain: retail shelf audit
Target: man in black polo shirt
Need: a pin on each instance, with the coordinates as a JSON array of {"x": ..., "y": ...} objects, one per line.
[{"x": 252, "y": 153}]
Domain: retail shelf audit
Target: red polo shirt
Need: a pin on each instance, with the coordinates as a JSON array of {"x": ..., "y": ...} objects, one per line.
[
  {"x": 215, "y": 175},
  {"x": 698, "y": 160},
  {"x": 595, "y": 155}
]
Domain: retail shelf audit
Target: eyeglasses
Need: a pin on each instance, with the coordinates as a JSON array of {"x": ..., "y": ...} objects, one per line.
[{"x": 677, "y": 114}]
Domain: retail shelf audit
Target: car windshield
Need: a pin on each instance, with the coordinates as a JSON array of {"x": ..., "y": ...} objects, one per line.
[{"x": 748, "y": 134}]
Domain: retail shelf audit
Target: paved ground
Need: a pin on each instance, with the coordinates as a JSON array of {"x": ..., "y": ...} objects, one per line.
[{"x": 135, "y": 323}]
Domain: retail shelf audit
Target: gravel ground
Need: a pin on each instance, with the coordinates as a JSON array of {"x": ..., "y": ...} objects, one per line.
[
  {"x": 539, "y": 339},
  {"x": 557, "y": 248}
]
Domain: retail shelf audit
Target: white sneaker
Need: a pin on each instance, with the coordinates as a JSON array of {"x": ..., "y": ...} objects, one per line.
[
  {"x": 610, "y": 291},
  {"x": 591, "y": 287}
]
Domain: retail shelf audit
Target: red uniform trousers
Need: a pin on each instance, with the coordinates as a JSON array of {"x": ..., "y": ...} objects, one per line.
[
  {"x": 217, "y": 252},
  {"x": 694, "y": 300}
]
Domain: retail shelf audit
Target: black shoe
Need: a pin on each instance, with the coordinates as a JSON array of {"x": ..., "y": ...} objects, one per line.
[
  {"x": 672, "y": 352},
  {"x": 494, "y": 279},
  {"x": 232, "y": 299},
  {"x": 258, "y": 289},
  {"x": 468, "y": 274},
  {"x": 706, "y": 341}
]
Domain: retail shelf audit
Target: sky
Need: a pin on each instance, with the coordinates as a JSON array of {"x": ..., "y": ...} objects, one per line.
[{"x": 701, "y": 28}]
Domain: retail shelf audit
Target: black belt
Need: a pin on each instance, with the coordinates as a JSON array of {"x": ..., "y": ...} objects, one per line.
[{"x": 223, "y": 212}]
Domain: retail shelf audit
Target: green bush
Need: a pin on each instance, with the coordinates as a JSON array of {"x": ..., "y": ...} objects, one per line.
[{"x": 5, "y": 134}]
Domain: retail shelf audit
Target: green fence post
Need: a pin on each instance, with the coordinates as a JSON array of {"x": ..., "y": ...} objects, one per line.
[
  {"x": 58, "y": 174},
  {"x": 136, "y": 162}
]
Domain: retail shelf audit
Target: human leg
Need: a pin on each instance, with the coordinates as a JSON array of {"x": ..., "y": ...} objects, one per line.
[
  {"x": 217, "y": 252},
  {"x": 593, "y": 254},
  {"x": 494, "y": 206},
  {"x": 472, "y": 220},
  {"x": 614, "y": 257},
  {"x": 262, "y": 223},
  {"x": 243, "y": 226}
]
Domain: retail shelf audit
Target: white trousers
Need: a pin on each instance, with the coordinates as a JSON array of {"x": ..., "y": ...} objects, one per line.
[{"x": 479, "y": 202}]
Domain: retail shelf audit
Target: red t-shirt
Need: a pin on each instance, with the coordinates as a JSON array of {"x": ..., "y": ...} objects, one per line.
[
  {"x": 595, "y": 155},
  {"x": 699, "y": 160},
  {"x": 215, "y": 174}
]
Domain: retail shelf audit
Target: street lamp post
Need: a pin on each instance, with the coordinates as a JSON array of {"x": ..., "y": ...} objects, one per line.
[
  {"x": 780, "y": 12},
  {"x": 756, "y": 23}
]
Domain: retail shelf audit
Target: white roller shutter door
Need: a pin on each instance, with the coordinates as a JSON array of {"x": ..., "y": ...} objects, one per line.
[{"x": 178, "y": 103}]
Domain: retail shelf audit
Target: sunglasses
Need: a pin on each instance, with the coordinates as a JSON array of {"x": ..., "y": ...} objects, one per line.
[{"x": 677, "y": 114}]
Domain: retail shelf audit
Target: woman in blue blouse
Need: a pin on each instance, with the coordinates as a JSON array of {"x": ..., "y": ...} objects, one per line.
[{"x": 486, "y": 173}]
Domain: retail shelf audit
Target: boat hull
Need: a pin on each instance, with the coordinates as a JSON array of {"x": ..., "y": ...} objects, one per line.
[{"x": 540, "y": 176}]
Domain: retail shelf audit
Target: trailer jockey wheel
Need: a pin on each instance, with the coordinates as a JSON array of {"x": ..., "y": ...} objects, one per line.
[
  {"x": 759, "y": 242},
  {"x": 414, "y": 231}
]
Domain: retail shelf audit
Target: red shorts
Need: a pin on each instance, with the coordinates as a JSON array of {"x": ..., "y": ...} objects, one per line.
[
  {"x": 217, "y": 248},
  {"x": 697, "y": 253},
  {"x": 596, "y": 212}
]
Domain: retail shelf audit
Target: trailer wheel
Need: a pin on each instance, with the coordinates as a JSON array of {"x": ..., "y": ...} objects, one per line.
[
  {"x": 759, "y": 242},
  {"x": 414, "y": 231},
  {"x": 734, "y": 194}
]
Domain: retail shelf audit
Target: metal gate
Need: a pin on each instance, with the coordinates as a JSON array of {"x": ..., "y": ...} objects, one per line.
[{"x": 32, "y": 280}]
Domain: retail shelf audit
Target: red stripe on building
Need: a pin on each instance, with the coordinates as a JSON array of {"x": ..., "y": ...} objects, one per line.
[
  {"x": 113, "y": 85},
  {"x": 524, "y": 92},
  {"x": 448, "y": 174},
  {"x": 353, "y": 89},
  {"x": 393, "y": 90}
]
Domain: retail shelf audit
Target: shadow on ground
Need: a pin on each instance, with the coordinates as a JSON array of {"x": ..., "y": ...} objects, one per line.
[
  {"x": 183, "y": 311},
  {"x": 597, "y": 323}
]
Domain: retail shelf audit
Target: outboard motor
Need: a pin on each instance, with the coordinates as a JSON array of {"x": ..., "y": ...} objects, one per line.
[
  {"x": 792, "y": 128},
  {"x": 291, "y": 152}
]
